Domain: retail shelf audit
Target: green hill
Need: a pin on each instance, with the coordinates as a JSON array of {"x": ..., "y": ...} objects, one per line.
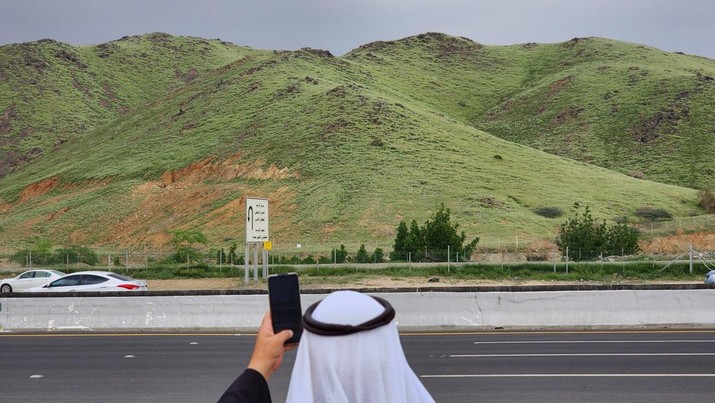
[
  {"x": 51, "y": 92},
  {"x": 344, "y": 148},
  {"x": 629, "y": 108}
]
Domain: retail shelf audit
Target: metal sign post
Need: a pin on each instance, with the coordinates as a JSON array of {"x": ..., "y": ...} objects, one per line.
[
  {"x": 267, "y": 246},
  {"x": 256, "y": 231},
  {"x": 245, "y": 263}
]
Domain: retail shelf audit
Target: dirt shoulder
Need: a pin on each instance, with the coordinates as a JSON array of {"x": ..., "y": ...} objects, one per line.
[{"x": 377, "y": 282}]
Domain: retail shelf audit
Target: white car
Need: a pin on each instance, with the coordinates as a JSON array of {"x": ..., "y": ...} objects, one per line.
[
  {"x": 92, "y": 281},
  {"x": 710, "y": 277},
  {"x": 29, "y": 279}
]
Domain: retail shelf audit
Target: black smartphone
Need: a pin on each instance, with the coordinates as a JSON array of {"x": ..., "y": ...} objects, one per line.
[{"x": 284, "y": 299}]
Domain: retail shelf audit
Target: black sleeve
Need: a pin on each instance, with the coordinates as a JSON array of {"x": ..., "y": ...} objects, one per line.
[{"x": 250, "y": 387}]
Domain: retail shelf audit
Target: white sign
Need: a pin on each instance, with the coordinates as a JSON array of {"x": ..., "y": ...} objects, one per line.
[{"x": 256, "y": 220}]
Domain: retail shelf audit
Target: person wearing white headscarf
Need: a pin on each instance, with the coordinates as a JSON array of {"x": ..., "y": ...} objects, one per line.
[{"x": 350, "y": 352}]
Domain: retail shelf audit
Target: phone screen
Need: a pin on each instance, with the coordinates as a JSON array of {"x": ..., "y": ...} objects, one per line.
[{"x": 284, "y": 297}]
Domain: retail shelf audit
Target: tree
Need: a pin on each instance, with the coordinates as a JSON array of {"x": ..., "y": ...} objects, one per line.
[
  {"x": 189, "y": 237},
  {"x": 39, "y": 252},
  {"x": 415, "y": 244},
  {"x": 77, "y": 254},
  {"x": 621, "y": 240},
  {"x": 440, "y": 236},
  {"x": 184, "y": 241},
  {"x": 341, "y": 254},
  {"x": 399, "y": 248},
  {"x": 433, "y": 239},
  {"x": 378, "y": 256},
  {"x": 362, "y": 256},
  {"x": 585, "y": 239},
  {"x": 221, "y": 256},
  {"x": 232, "y": 259}
]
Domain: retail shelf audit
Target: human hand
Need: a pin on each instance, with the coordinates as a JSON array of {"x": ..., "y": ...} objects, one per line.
[{"x": 269, "y": 348}]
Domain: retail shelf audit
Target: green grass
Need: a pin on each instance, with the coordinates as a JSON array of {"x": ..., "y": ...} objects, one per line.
[
  {"x": 591, "y": 99},
  {"x": 383, "y": 134},
  {"x": 56, "y": 92}
]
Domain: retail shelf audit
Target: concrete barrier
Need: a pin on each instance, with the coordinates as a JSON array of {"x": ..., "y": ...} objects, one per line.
[{"x": 416, "y": 311}]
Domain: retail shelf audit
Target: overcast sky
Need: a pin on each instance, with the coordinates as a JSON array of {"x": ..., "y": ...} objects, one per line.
[{"x": 341, "y": 25}]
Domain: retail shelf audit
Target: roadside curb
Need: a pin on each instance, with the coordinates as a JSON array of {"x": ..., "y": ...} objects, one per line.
[{"x": 368, "y": 290}]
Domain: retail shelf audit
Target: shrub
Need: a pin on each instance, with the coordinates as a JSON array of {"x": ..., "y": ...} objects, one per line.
[
  {"x": 706, "y": 200},
  {"x": 199, "y": 271},
  {"x": 40, "y": 252},
  {"x": 584, "y": 239},
  {"x": 621, "y": 219},
  {"x": 549, "y": 212},
  {"x": 433, "y": 240},
  {"x": 362, "y": 256},
  {"x": 183, "y": 242},
  {"x": 184, "y": 254},
  {"x": 378, "y": 256},
  {"x": 71, "y": 254},
  {"x": 295, "y": 259},
  {"x": 637, "y": 174},
  {"x": 341, "y": 255},
  {"x": 653, "y": 214}
]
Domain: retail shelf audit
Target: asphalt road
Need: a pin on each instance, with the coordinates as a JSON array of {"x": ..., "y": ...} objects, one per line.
[{"x": 500, "y": 366}]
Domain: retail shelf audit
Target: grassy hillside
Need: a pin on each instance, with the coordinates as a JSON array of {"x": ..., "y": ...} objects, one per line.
[
  {"x": 629, "y": 108},
  {"x": 344, "y": 148},
  {"x": 51, "y": 92}
]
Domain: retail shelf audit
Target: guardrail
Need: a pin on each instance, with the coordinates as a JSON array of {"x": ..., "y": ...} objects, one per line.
[{"x": 418, "y": 309}]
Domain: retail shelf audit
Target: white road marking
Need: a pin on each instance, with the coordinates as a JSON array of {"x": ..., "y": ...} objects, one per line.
[
  {"x": 572, "y": 376},
  {"x": 583, "y": 355},
  {"x": 592, "y": 341}
]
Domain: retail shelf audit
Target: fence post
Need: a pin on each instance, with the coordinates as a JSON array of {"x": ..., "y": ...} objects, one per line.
[
  {"x": 447, "y": 258},
  {"x": 567, "y": 260},
  {"x": 555, "y": 254}
]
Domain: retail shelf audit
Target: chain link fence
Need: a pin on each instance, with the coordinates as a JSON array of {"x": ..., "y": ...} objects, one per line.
[{"x": 491, "y": 249}]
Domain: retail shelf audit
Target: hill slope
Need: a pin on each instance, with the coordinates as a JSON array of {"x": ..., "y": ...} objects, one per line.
[
  {"x": 51, "y": 92},
  {"x": 344, "y": 149},
  {"x": 625, "y": 107}
]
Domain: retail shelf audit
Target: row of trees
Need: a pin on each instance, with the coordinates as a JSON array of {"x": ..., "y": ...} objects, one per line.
[
  {"x": 338, "y": 255},
  {"x": 437, "y": 240},
  {"x": 581, "y": 237},
  {"x": 41, "y": 252}
]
